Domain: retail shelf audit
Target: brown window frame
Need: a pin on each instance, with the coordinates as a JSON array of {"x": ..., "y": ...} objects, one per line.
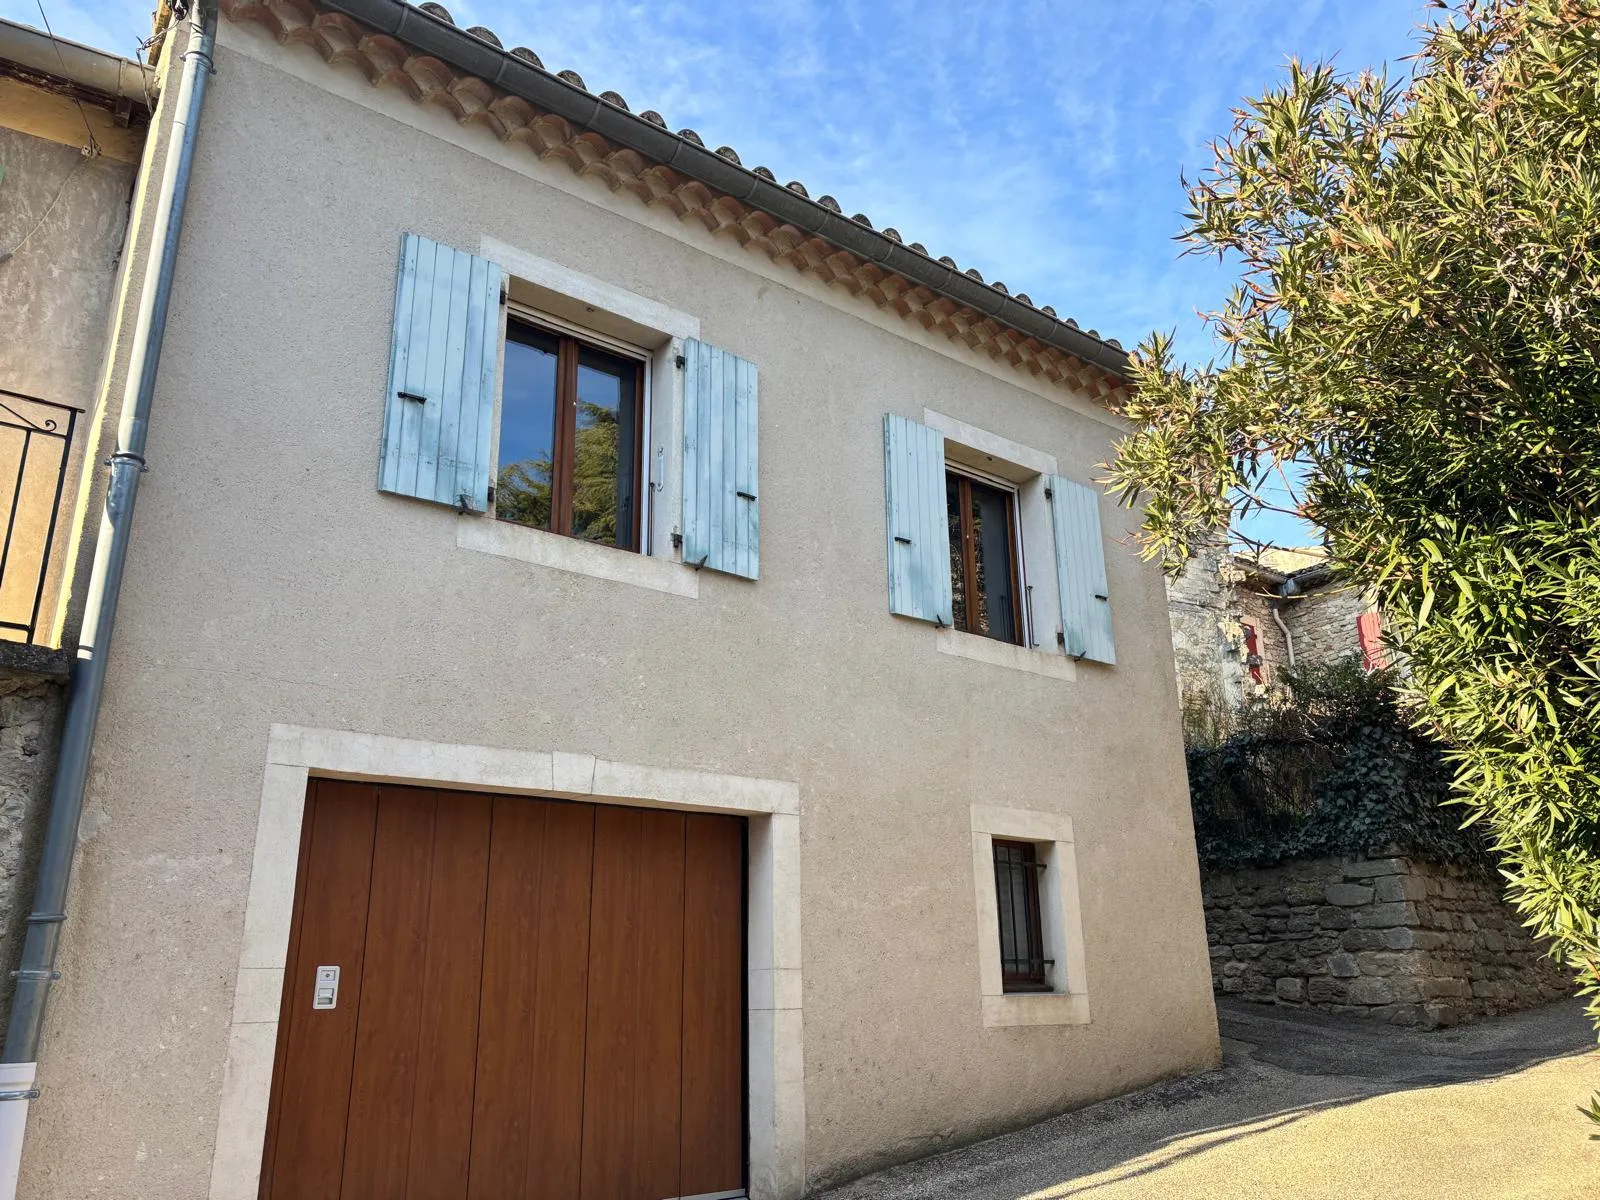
[
  {"x": 569, "y": 348},
  {"x": 969, "y": 556},
  {"x": 1030, "y": 974}
]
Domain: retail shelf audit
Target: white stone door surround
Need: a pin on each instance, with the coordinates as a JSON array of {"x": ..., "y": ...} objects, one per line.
[{"x": 296, "y": 753}]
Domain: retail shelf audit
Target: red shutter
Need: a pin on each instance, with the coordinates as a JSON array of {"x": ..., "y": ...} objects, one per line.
[
  {"x": 1252, "y": 651},
  {"x": 1369, "y": 633}
]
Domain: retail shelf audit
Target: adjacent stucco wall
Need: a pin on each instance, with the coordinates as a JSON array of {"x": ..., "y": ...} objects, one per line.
[
  {"x": 270, "y": 582},
  {"x": 56, "y": 290},
  {"x": 63, "y": 216}
]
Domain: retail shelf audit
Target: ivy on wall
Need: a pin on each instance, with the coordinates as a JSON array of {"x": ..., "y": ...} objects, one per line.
[{"x": 1331, "y": 766}]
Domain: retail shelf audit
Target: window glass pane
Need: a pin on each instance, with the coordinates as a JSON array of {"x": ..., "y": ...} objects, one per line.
[
  {"x": 994, "y": 611},
  {"x": 605, "y": 450},
  {"x": 527, "y": 428},
  {"x": 958, "y": 575}
]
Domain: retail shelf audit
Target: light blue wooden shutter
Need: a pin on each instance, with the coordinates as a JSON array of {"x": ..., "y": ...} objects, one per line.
[
  {"x": 440, "y": 411},
  {"x": 1081, "y": 570},
  {"x": 721, "y": 512},
  {"x": 919, "y": 529}
]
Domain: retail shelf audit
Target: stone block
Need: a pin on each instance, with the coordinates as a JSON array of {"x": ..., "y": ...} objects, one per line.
[
  {"x": 1369, "y": 867},
  {"x": 1291, "y": 989},
  {"x": 1402, "y": 1014},
  {"x": 1349, "y": 895},
  {"x": 1363, "y": 939},
  {"x": 1233, "y": 985},
  {"x": 1401, "y": 887},
  {"x": 1425, "y": 939},
  {"x": 1343, "y": 966},
  {"x": 1439, "y": 1015},
  {"x": 1405, "y": 990},
  {"x": 1325, "y": 991},
  {"x": 1335, "y": 918},
  {"x": 1390, "y": 962},
  {"x": 1302, "y": 891},
  {"x": 1386, "y": 916},
  {"x": 1221, "y": 952},
  {"x": 1370, "y": 991}
]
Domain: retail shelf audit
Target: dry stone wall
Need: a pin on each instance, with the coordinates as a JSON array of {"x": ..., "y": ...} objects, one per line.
[{"x": 1393, "y": 938}]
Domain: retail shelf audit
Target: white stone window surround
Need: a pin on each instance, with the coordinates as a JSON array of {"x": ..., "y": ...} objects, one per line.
[
  {"x": 624, "y": 320},
  {"x": 1060, "y": 915},
  {"x": 1023, "y": 470},
  {"x": 775, "y": 1027}
]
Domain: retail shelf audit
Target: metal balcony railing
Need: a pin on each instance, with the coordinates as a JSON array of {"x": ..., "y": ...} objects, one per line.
[{"x": 35, "y": 445}]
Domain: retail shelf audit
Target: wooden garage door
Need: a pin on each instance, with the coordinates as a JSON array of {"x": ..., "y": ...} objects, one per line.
[{"x": 535, "y": 999}]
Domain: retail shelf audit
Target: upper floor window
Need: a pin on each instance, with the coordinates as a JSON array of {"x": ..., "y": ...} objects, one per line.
[
  {"x": 983, "y": 561},
  {"x": 574, "y": 408},
  {"x": 571, "y": 418}
]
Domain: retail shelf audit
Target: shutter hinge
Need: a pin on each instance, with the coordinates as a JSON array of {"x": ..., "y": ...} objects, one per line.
[
  {"x": 1049, "y": 493},
  {"x": 505, "y": 293},
  {"x": 491, "y": 495},
  {"x": 1061, "y": 638},
  {"x": 681, "y": 361}
]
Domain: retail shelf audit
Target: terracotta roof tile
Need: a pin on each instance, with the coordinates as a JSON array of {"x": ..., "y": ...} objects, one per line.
[{"x": 386, "y": 60}]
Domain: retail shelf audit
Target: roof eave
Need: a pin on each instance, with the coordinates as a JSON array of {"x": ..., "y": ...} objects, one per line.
[{"x": 467, "y": 52}]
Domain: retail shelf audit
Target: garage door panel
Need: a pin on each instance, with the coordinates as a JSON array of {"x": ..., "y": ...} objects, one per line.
[
  {"x": 713, "y": 1005},
  {"x": 538, "y": 999},
  {"x": 556, "y": 1085},
  {"x": 313, "y": 1091},
  {"x": 449, "y": 987},
  {"x": 384, "y": 1078},
  {"x": 631, "y": 1127},
  {"x": 500, "y": 1120}
]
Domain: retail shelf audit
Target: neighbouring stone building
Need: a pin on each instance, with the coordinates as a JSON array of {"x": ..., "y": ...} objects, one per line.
[
  {"x": 1239, "y": 621},
  {"x": 1396, "y": 938}
]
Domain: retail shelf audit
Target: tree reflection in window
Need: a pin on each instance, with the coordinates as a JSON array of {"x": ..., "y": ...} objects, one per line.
[{"x": 569, "y": 438}]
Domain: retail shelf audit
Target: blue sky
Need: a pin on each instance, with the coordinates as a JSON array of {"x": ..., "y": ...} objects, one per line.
[{"x": 1040, "y": 142}]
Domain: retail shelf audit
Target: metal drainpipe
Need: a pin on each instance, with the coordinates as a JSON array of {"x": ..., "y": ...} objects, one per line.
[
  {"x": 37, "y": 968},
  {"x": 1276, "y": 610}
]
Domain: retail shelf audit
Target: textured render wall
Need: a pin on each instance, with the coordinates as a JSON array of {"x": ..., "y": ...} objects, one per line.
[
  {"x": 56, "y": 294},
  {"x": 56, "y": 290},
  {"x": 270, "y": 581},
  {"x": 1393, "y": 938}
]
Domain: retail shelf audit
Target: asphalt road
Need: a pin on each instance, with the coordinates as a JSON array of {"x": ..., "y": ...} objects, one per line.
[{"x": 1310, "y": 1106}]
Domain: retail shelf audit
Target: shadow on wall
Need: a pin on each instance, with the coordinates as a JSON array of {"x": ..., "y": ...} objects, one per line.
[{"x": 1281, "y": 1068}]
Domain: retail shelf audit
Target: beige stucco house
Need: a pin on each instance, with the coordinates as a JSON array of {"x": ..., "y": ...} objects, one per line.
[{"x": 623, "y": 684}]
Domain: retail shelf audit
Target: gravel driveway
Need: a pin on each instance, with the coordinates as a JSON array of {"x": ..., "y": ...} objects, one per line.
[{"x": 1311, "y": 1106}]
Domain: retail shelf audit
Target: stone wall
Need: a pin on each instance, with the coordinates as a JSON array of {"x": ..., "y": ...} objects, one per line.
[
  {"x": 1206, "y": 648},
  {"x": 1323, "y": 623},
  {"x": 30, "y": 720},
  {"x": 1393, "y": 938}
]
